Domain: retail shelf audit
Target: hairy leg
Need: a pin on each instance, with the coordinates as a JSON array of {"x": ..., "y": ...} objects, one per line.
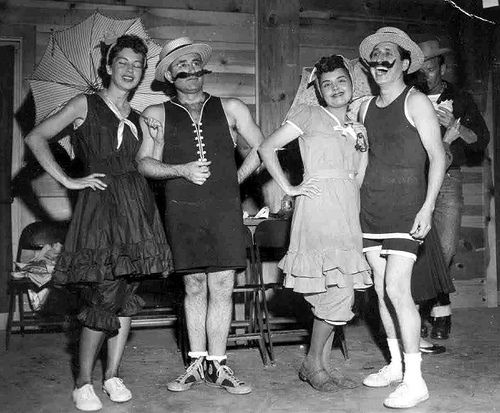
[
  {"x": 116, "y": 346},
  {"x": 195, "y": 307},
  {"x": 398, "y": 286},
  {"x": 90, "y": 345},
  {"x": 220, "y": 306},
  {"x": 378, "y": 265}
]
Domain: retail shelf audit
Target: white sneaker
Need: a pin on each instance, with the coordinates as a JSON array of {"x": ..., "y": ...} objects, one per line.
[
  {"x": 385, "y": 376},
  {"x": 116, "y": 390},
  {"x": 85, "y": 399},
  {"x": 407, "y": 395}
]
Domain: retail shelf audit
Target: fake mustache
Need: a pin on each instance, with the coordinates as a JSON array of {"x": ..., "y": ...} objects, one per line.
[
  {"x": 199, "y": 73},
  {"x": 385, "y": 63}
]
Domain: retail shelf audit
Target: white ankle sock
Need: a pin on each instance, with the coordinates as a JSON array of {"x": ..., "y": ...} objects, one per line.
[
  {"x": 197, "y": 354},
  {"x": 412, "y": 366},
  {"x": 217, "y": 358},
  {"x": 395, "y": 352}
]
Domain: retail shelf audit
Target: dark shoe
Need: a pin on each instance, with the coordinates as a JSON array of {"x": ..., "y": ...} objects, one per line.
[
  {"x": 424, "y": 331},
  {"x": 341, "y": 380},
  {"x": 434, "y": 349},
  {"x": 193, "y": 375},
  {"x": 219, "y": 375},
  {"x": 441, "y": 327},
  {"x": 318, "y": 379}
]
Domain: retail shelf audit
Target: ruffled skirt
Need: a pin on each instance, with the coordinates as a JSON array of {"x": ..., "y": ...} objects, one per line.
[
  {"x": 114, "y": 233},
  {"x": 326, "y": 241}
]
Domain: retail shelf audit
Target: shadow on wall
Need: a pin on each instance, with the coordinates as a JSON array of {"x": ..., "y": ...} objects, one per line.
[{"x": 22, "y": 185}]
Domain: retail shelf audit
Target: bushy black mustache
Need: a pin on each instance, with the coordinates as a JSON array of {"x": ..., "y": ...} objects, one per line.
[
  {"x": 385, "y": 63},
  {"x": 199, "y": 73}
]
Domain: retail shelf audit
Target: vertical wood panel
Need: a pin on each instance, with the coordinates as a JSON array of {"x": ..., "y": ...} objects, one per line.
[{"x": 278, "y": 33}]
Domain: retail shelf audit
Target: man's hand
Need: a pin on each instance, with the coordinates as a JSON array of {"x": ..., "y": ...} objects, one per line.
[
  {"x": 452, "y": 132},
  {"x": 445, "y": 117},
  {"x": 422, "y": 224},
  {"x": 196, "y": 172}
]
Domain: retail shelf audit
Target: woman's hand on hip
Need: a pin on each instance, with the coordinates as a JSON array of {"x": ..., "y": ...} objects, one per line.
[
  {"x": 91, "y": 181},
  {"x": 308, "y": 188}
]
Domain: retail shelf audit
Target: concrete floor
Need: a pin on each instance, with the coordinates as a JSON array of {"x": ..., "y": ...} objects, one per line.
[{"x": 35, "y": 375}]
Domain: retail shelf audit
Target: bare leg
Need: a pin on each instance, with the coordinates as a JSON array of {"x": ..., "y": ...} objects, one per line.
[
  {"x": 220, "y": 305},
  {"x": 116, "y": 346},
  {"x": 321, "y": 334},
  {"x": 378, "y": 265},
  {"x": 195, "y": 307},
  {"x": 327, "y": 351},
  {"x": 90, "y": 345},
  {"x": 398, "y": 287}
]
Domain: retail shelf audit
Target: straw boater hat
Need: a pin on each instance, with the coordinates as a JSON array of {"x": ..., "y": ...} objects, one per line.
[
  {"x": 431, "y": 49},
  {"x": 393, "y": 35},
  {"x": 177, "y": 48}
]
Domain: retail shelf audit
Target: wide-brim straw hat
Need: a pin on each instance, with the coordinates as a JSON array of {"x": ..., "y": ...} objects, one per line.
[
  {"x": 431, "y": 49},
  {"x": 177, "y": 48},
  {"x": 393, "y": 35}
]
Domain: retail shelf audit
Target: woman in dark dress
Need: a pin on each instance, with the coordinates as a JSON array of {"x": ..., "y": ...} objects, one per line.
[{"x": 115, "y": 236}]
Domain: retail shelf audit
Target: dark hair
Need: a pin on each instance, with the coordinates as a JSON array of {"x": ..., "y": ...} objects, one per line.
[
  {"x": 329, "y": 64},
  {"x": 127, "y": 41},
  {"x": 404, "y": 55},
  {"x": 326, "y": 65}
]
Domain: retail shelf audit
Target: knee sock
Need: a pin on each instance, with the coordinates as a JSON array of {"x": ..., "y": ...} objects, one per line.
[
  {"x": 412, "y": 366},
  {"x": 395, "y": 352}
]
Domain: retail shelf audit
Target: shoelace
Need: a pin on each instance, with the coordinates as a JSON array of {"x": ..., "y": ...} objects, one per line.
[
  {"x": 195, "y": 365},
  {"x": 230, "y": 374},
  {"x": 118, "y": 384},
  {"x": 400, "y": 389},
  {"x": 88, "y": 393}
]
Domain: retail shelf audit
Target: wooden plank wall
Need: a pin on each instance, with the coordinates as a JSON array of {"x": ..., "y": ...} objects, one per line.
[{"x": 325, "y": 27}]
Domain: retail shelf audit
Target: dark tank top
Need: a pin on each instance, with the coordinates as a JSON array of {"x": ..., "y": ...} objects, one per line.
[
  {"x": 394, "y": 187},
  {"x": 204, "y": 223}
]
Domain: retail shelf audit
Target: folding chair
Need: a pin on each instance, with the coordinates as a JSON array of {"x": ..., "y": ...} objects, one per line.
[
  {"x": 33, "y": 237},
  {"x": 251, "y": 328}
]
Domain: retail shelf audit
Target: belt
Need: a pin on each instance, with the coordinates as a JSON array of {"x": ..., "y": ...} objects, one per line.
[{"x": 331, "y": 174}]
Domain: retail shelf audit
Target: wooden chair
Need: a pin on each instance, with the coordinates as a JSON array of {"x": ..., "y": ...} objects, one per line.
[
  {"x": 271, "y": 239},
  {"x": 33, "y": 237}
]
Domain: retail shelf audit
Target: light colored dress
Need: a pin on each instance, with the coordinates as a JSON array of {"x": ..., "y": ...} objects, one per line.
[{"x": 325, "y": 249}]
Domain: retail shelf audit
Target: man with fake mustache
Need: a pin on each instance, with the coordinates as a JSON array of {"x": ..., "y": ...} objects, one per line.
[
  {"x": 189, "y": 142},
  {"x": 464, "y": 130},
  {"x": 397, "y": 201}
]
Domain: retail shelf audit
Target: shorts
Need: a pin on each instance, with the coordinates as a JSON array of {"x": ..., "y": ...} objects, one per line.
[
  {"x": 396, "y": 244},
  {"x": 105, "y": 301},
  {"x": 333, "y": 305}
]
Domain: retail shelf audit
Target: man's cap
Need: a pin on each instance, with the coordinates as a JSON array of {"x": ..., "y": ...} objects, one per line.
[
  {"x": 177, "y": 48},
  {"x": 396, "y": 36},
  {"x": 431, "y": 49}
]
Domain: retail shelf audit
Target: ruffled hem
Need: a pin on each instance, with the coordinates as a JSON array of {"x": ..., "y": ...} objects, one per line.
[
  {"x": 100, "y": 320},
  {"x": 132, "y": 306},
  {"x": 96, "y": 265},
  {"x": 313, "y": 272}
]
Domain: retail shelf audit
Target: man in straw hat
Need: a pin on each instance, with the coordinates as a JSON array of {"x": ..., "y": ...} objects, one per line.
[
  {"x": 397, "y": 201},
  {"x": 189, "y": 141},
  {"x": 464, "y": 130}
]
